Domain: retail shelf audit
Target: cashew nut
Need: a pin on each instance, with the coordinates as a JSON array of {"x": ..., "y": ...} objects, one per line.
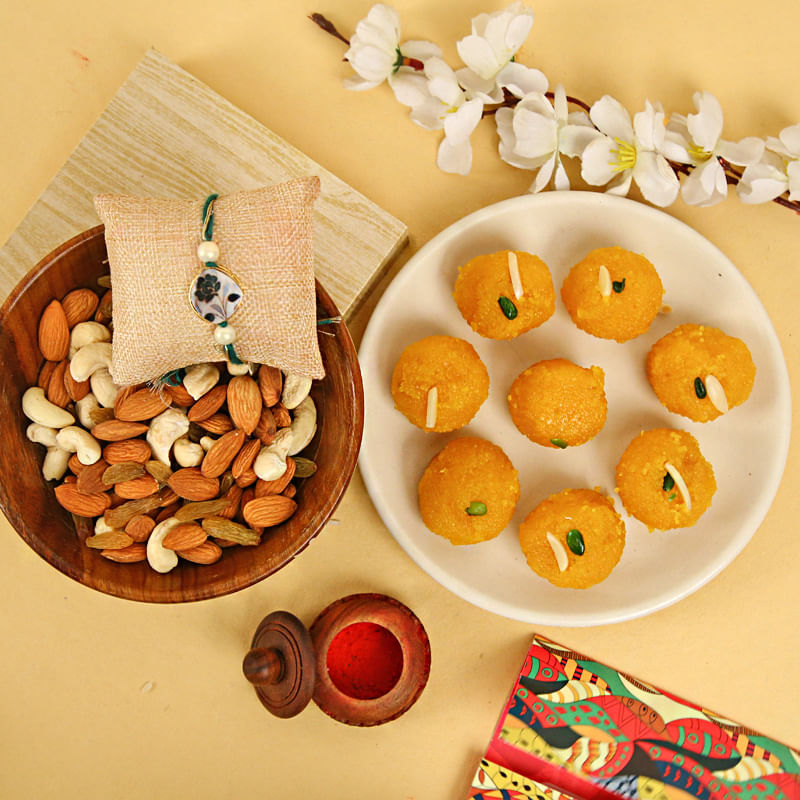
[
  {"x": 89, "y": 359},
  {"x": 41, "y": 434},
  {"x": 245, "y": 368},
  {"x": 164, "y": 430},
  {"x": 270, "y": 463},
  {"x": 101, "y": 526},
  {"x": 37, "y": 408},
  {"x": 55, "y": 463},
  {"x": 304, "y": 425},
  {"x": 207, "y": 442},
  {"x": 159, "y": 558},
  {"x": 200, "y": 379},
  {"x": 295, "y": 390},
  {"x": 87, "y": 333},
  {"x": 103, "y": 387},
  {"x": 84, "y": 408},
  {"x": 187, "y": 453},
  {"x": 77, "y": 440}
]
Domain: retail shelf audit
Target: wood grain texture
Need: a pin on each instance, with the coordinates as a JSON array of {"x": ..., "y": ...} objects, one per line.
[
  {"x": 28, "y": 501},
  {"x": 166, "y": 134}
]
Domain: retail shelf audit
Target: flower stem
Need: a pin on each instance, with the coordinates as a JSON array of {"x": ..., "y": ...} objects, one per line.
[{"x": 327, "y": 26}]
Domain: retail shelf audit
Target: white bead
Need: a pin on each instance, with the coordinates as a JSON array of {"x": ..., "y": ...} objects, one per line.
[
  {"x": 208, "y": 251},
  {"x": 224, "y": 335}
]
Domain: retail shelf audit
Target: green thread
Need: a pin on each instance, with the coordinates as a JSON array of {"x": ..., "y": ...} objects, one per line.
[
  {"x": 232, "y": 357},
  {"x": 208, "y": 217}
]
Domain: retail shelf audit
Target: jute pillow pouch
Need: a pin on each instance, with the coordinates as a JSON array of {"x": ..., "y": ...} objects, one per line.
[{"x": 257, "y": 270}]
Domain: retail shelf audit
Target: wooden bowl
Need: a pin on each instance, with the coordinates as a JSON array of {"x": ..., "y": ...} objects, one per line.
[{"x": 28, "y": 500}]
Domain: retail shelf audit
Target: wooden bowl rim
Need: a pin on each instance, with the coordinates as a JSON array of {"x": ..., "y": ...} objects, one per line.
[{"x": 219, "y": 587}]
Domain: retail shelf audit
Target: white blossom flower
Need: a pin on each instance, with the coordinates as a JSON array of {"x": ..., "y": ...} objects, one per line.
[
  {"x": 489, "y": 51},
  {"x": 536, "y": 133},
  {"x": 627, "y": 152},
  {"x": 703, "y": 148},
  {"x": 375, "y": 53},
  {"x": 777, "y": 172},
  {"x": 448, "y": 107}
]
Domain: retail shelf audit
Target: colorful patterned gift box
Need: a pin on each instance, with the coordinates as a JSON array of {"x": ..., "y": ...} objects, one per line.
[{"x": 575, "y": 728}]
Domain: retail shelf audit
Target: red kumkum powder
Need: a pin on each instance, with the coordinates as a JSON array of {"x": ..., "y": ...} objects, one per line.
[{"x": 365, "y": 660}]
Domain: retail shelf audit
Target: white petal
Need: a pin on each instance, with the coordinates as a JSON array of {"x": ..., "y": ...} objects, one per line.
[
  {"x": 428, "y": 114},
  {"x": 411, "y": 89},
  {"x": 544, "y": 174},
  {"x": 597, "y": 162},
  {"x": 562, "y": 179},
  {"x": 419, "y": 49},
  {"x": 521, "y": 80},
  {"x": 573, "y": 139},
  {"x": 476, "y": 53},
  {"x": 675, "y": 147},
  {"x": 793, "y": 172},
  {"x": 454, "y": 157},
  {"x": 760, "y": 183},
  {"x": 703, "y": 186},
  {"x": 705, "y": 127},
  {"x": 508, "y": 140},
  {"x": 655, "y": 178},
  {"x": 443, "y": 83},
  {"x": 621, "y": 184},
  {"x": 477, "y": 87},
  {"x": 790, "y": 138},
  {"x": 360, "y": 84},
  {"x": 518, "y": 31},
  {"x": 372, "y": 63},
  {"x": 459, "y": 125},
  {"x": 612, "y": 119},
  {"x": 560, "y": 103},
  {"x": 648, "y": 125},
  {"x": 536, "y": 134},
  {"x": 744, "y": 152}
]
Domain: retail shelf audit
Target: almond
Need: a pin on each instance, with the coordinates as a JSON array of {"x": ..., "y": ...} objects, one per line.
[
  {"x": 190, "y": 484},
  {"x": 140, "y": 527},
  {"x": 244, "y": 403},
  {"x": 185, "y": 536},
  {"x": 180, "y": 397},
  {"x": 247, "y": 478},
  {"x": 104, "y": 309},
  {"x": 270, "y": 384},
  {"x": 222, "y": 528},
  {"x": 79, "y": 305},
  {"x": 54, "y": 332},
  {"x": 208, "y": 404},
  {"x": 233, "y": 496},
  {"x": 137, "y": 450},
  {"x": 142, "y": 404},
  {"x": 109, "y": 540},
  {"x": 123, "y": 394},
  {"x": 263, "y": 488},
  {"x": 289, "y": 491},
  {"x": 269, "y": 510},
  {"x": 283, "y": 419},
  {"x": 245, "y": 457},
  {"x": 115, "y": 430},
  {"x": 266, "y": 428},
  {"x": 75, "y": 466},
  {"x": 56, "y": 388},
  {"x": 216, "y": 424},
  {"x": 90, "y": 479},
  {"x": 45, "y": 372},
  {"x": 143, "y": 486},
  {"x": 222, "y": 452},
  {"x": 76, "y": 390},
  {"x": 168, "y": 511},
  {"x": 76, "y": 501},
  {"x": 206, "y": 553},
  {"x": 127, "y": 555}
]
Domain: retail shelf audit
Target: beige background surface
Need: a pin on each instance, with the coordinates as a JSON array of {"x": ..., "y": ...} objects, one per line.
[{"x": 73, "y": 718}]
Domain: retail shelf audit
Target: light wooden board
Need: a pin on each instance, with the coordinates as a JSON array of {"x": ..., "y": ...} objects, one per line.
[{"x": 166, "y": 134}]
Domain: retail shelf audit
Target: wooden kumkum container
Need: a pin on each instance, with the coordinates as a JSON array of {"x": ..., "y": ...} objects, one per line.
[{"x": 364, "y": 661}]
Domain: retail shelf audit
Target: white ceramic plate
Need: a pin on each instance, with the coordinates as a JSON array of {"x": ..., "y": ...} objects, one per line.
[{"x": 747, "y": 447}]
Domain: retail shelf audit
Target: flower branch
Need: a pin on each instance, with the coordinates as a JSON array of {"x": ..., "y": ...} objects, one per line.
[{"x": 662, "y": 155}]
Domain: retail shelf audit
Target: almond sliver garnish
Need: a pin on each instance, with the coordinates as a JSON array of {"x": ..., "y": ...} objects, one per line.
[
  {"x": 716, "y": 394},
  {"x": 513, "y": 272},
  {"x": 430, "y": 412},
  {"x": 680, "y": 484},
  {"x": 558, "y": 551},
  {"x": 604, "y": 281}
]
